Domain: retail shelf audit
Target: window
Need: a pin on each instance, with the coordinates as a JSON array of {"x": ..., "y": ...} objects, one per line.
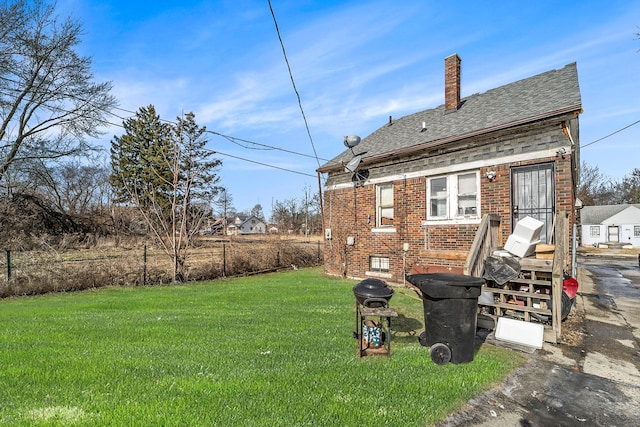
[
  {"x": 384, "y": 205},
  {"x": 467, "y": 194},
  {"x": 439, "y": 197},
  {"x": 453, "y": 196},
  {"x": 379, "y": 264},
  {"x": 636, "y": 231},
  {"x": 594, "y": 231}
]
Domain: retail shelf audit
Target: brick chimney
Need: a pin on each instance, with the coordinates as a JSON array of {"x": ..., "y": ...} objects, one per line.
[{"x": 452, "y": 82}]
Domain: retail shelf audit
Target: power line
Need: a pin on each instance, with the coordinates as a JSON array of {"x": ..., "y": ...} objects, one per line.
[
  {"x": 228, "y": 137},
  {"x": 611, "y": 134},
  {"x": 295, "y": 89},
  {"x": 266, "y": 147},
  {"x": 263, "y": 164},
  {"x": 131, "y": 113}
]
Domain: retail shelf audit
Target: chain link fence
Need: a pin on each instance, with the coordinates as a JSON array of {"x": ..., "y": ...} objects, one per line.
[{"x": 38, "y": 272}]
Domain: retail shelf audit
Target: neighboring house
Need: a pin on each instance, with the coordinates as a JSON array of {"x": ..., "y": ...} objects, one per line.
[
  {"x": 215, "y": 227},
  {"x": 413, "y": 193},
  {"x": 273, "y": 229},
  {"x": 246, "y": 225},
  {"x": 611, "y": 224}
]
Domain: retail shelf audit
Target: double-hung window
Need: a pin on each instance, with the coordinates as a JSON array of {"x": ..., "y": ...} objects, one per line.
[
  {"x": 384, "y": 205},
  {"x": 453, "y": 197}
]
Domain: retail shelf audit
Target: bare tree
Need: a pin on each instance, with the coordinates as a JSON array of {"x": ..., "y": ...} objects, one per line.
[
  {"x": 596, "y": 188},
  {"x": 169, "y": 176},
  {"x": 224, "y": 203},
  {"x": 49, "y": 103},
  {"x": 630, "y": 187},
  {"x": 257, "y": 211},
  {"x": 73, "y": 187}
]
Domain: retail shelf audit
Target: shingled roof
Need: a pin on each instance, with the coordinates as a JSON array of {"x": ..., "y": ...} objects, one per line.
[
  {"x": 539, "y": 97},
  {"x": 599, "y": 214}
]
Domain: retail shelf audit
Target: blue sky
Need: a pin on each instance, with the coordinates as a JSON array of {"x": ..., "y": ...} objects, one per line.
[{"x": 354, "y": 64}]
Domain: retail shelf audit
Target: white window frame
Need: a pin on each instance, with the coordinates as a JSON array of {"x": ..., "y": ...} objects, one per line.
[
  {"x": 636, "y": 231},
  {"x": 594, "y": 231},
  {"x": 379, "y": 264},
  {"x": 452, "y": 196},
  {"x": 380, "y": 207}
]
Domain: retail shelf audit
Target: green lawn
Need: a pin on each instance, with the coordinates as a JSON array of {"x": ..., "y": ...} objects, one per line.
[{"x": 270, "y": 350}]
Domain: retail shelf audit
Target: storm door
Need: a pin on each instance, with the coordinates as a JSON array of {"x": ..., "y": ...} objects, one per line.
[
  {"x": 533, "y": 193},
  {"x": 614, "y": 234}
]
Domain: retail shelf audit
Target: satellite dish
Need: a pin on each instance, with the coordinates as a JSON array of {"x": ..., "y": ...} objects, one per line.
[
  {"x": 359, "y": 177},
  {"x": 351, "y": 141},
  {"x": 353, "y": 164}
]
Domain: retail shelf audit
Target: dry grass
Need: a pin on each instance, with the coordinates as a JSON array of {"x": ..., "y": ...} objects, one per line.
[{"x": 121, "y": 262}]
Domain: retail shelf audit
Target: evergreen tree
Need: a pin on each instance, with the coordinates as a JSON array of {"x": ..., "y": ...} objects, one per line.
[
  {"x": 166, "y": 172},
  {"x": 141, "y": 172}
]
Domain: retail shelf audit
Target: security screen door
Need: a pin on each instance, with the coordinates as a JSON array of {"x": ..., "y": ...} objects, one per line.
[{"x": 533, "y": 192}]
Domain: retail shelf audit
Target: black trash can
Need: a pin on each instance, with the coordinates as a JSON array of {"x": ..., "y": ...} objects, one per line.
[{"x": 450, "y": 307}]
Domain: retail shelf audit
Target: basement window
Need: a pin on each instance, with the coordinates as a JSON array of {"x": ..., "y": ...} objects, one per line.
[
  {"x": 453, "y": 197},
  {"x": 379, "y": 264}
]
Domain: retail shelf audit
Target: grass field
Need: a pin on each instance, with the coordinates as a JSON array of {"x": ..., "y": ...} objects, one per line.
[{"x": 270, "y": 350}]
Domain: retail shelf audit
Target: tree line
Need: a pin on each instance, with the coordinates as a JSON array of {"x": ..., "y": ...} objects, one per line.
[
  {"x": 158, "y": 179},
  {"x": 596, "y": 188}
]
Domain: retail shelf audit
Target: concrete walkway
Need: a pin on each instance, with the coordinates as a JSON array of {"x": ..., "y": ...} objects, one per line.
[{"x": 590, "y": 379}]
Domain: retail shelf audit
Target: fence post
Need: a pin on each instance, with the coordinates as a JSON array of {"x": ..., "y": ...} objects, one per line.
[
  {"x": 224, "y": 259},
  {"x": 144, "y": 274},
  {"x": 8, "y": 266}
]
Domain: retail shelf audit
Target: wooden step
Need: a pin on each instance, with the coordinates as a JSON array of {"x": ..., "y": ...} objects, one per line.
[
  {"x": 523, "y": 294},
  {"x": 539, "y": 282},
  {"x": 516, "y": 307},
  {"x": 533, "y": 264}
]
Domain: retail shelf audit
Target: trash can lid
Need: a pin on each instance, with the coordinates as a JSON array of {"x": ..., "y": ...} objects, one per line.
[
  {"x": 444, "y": 279},
  {"x": 447, "y": 285}
]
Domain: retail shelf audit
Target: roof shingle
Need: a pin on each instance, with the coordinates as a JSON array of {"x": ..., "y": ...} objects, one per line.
[{"x": 544, "y": 95}]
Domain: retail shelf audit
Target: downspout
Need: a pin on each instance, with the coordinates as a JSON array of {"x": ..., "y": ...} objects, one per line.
[{"x": 321, "y": 204}]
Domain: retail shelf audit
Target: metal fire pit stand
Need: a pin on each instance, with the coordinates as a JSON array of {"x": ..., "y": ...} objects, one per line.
[{"x": 383, "y": 316}]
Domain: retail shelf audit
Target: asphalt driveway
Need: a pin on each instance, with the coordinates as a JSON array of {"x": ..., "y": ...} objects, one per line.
[{"x": 592, "y": 378}]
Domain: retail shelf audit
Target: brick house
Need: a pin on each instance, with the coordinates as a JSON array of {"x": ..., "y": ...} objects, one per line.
[{"x": 410, "y": 196}]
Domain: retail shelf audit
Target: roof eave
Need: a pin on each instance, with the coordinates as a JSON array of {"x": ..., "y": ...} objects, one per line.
[{"x": 576, "y": 109}]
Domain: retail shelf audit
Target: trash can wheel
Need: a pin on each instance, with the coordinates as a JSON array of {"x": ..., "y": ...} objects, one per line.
[
  {"x": 440, "y": 353},
  {"x": 422, "y": 339}
]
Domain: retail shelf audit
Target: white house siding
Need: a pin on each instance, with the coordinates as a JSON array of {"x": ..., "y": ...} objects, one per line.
[
  {"x": 594, "y": 234},
  {"x": 607, "y": 224},
  {"x": 630, "y": 234}
]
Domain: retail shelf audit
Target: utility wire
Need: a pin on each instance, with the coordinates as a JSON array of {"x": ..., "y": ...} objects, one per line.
[
  {"x": 228, "y": 137},
  {"x": 611, "y": 134},
  {"x": 131, "y": 113},
  {"x": 262, "y": 164},
  {"x": 295, "y": 89},
  {"x": 266, "y": 147}
]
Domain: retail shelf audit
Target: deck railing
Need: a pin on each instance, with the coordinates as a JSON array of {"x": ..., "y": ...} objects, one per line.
[{"x": 488, "y": 238}]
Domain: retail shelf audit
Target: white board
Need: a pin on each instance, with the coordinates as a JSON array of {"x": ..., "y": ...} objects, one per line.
[{"x": 519, "y": 332}]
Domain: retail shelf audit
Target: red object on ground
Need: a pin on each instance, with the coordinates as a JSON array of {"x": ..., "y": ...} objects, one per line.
[{"x": 570, "y": 287}]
